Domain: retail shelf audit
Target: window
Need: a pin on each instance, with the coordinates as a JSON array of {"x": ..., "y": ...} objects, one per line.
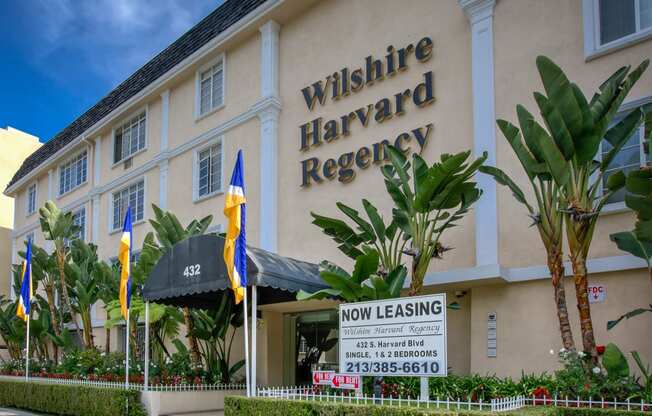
[
  {"x": 29, "y": 237},
  {"x": 210, "y": 88},
  {"x": 73, "y": 173},
  {"x": 631, "y": 157},
  {"x": 621, "y": 18},
  {"x": 79, "y": 219},
  {"x": 133, "y": 196},
  {"x": 209, "y": 170},
  {"x": 31, "y": 199},
  {"x": 612, "y": 24},
  {"x": 129, "y": 138}
]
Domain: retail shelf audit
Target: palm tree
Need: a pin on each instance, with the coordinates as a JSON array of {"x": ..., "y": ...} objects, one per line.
[
  {"x": 58, "y": 227},
  {"x": 569, "y": 147},
  {"x": 545, "y": 212}
]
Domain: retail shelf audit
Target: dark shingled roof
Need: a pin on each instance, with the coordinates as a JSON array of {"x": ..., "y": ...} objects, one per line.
[{"x": 212, "y": 25}]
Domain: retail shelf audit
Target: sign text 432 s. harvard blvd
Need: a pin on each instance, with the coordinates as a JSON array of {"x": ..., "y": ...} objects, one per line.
[{"x": 405, "y": 336}]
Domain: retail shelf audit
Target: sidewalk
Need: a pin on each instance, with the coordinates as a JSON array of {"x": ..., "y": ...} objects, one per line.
[{"x": 14, "y": 412}]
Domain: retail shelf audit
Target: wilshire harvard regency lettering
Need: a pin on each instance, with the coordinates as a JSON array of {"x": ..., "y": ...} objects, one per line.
[{"x": 345, "y": 82}]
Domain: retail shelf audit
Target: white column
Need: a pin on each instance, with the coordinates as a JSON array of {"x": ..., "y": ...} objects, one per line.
[
  {"x": 163, "y": 184},
  {"x": 14, "y": 260},
  {"x": 269, "y": 59},
  {"x": 51, "y": 184},
  {"x": 97, "y": 162},
  {"x": 480, "y": 14},
  {"x": 269, "y": 137},
  {"x": 95, "y": 223},
  {"x": 165, "y": 119}
]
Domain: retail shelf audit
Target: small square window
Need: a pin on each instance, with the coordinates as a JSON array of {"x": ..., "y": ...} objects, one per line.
[
  {"x": 132, "y": 196},
  {"x": 130, "y": 138},
  {"x": 210, "y": 88},
  {"x": 73, "y": 173},
  {"x": 31, "y": 199}
]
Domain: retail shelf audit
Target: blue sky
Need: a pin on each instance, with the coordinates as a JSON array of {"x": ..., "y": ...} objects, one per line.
[{"x": 59, "y": 57}]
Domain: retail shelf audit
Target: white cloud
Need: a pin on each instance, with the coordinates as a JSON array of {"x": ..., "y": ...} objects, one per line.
[{"x": 108, "y": 38}]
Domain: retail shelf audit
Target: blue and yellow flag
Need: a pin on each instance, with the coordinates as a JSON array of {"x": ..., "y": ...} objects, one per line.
[
  {"x": 25, "y": 298},
  {"x": 124, "y": 258},
  {"x": 235, "y": 244}
]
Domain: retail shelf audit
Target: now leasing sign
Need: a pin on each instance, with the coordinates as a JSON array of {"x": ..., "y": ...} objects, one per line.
[{"x": 405, "y": 336}]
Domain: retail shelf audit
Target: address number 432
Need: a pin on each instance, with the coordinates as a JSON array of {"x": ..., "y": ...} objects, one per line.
[{"x": 193, "y": 270}]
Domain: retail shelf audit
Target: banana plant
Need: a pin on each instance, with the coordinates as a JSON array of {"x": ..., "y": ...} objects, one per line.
[
  {"x": 372, "y": 233},
  {"x": 364, "y": 284},
  {"x": 83, "y": 272},
  {"x": 569, "y": 146},
  {"x": 638, "y": 242},
  {"x": 212, "y": 331},
  {"x": 545, "y": 211},
  {"x": 58, "y": 226},
  {"x": 428, "y": 201},
  {"x": 12, "y": 329}
]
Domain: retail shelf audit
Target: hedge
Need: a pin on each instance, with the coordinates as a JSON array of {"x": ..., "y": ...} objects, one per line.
[
  {"x": 73, "y": 400},
  {"x": 242, "y": 406}
]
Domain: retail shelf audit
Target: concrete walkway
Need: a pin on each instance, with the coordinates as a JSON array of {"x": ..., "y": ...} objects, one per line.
[{"x": 14, "y": 412}]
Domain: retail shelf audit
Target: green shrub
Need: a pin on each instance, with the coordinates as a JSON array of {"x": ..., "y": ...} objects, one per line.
[
  {"x": 70, "y": 400},
  {"x": 242, "y": 406}
]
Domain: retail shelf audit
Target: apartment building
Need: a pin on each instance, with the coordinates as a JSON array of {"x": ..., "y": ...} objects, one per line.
[{"x": 308, "y": 89}]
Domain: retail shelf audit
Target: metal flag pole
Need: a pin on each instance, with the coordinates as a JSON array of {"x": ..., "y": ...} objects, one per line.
[
  {"x": 146, "y": 381},
  {"x": 127, "y": 352},
  {"x": 27, "y": 352},
  {"x": 254, "y": 316},
  {"x": 246, "y": 342}
]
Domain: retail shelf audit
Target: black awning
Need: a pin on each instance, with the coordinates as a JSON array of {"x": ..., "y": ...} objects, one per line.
[{"x": 192, "y": 272}]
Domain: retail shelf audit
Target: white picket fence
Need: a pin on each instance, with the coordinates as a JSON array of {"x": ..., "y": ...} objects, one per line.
[
  {"x": 495, "y": 405},
  {"x": 307, "y": 393},
  {"x": 132, "y": 386}
]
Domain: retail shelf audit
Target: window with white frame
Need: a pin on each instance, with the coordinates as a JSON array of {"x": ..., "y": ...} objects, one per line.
[
  {"x": 130, "y": 137},
  {"x": 209, "y": 170},
  {"x": 31, "y": 199},
  {"x": 79, "y": 219},
  {"x": 630, "y": 157},
  {"x": 211, "y": 88},
  {"x": 73, "y": 173},
  {"x": 132, "y": 196},
  {"x": 614, "y": 23}
]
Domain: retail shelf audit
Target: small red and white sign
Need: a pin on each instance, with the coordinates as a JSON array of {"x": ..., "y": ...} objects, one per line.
[
  {"x": 322, "y": 378},
  {"x": 597, "y": 294},
  {"x": 343, "y": 381}
]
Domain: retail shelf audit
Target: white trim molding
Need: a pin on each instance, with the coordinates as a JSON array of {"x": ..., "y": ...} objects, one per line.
[
  {"x": 95, "y": 222},
  {"x": 97, "y": 161},
  {"x": 269, "y": 44},
  {"x": 480, "y": 15},
  {"x": 591, "y": 22},
  {"x": 163, "y": 169},
  {"x": 497, "y": 274},
  {"x": 165, "y": 120},
  {"x": 51, "y": 184},
  {"x": 269, "y": 120}
]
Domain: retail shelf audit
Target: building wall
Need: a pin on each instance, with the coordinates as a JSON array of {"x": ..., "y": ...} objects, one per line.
[{"x": 317, "y": 39}]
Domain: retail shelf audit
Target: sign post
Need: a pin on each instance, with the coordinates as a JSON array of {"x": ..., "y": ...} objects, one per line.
[{"x": 397, "y": 337}]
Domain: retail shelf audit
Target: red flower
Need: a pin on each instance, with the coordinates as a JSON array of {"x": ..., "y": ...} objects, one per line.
[
  {"x": 541, "y": 396},
  {"x": 600, "y": 349}
]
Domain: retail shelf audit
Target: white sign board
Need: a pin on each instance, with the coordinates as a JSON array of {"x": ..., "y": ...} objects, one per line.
[
  {"x": 597, "y": 294},
  {"x": 398, "y": 337}
]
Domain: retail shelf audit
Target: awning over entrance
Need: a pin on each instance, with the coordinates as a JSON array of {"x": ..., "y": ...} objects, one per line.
[{"x": 194, "y": 270}]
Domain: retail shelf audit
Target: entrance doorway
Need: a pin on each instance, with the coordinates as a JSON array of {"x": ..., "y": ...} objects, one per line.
[{"x": 311, "y": 343}]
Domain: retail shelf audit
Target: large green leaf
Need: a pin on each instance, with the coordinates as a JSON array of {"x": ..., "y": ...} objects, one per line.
[
  {"x": 396, "y": 280},
  {"x": 628, "y": 315},
  {"x": 365, "y": 266},
  {"x": 627, "y": 241},
  {"x": 556, "y": 125},
  {"x": 557, "y": 165},
  {"x": 618, "y": 135},
  {"x": 365, "y": 227},
  {"x": 322, "y": 294},
  {"x": 514, "y": 139},
  {"x": 615, "y": 362},
  {"x": 376, "y": 220},
  {"x": 502, "y": 178}
]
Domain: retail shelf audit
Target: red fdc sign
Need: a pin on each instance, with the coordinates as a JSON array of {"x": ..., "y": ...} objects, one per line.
[
  {"x": 597, "y": 294},
  {"x": 337, "y": 381}
]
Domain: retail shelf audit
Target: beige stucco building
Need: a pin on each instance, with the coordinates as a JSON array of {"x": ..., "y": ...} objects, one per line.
[
  {"x": 15, "y": 146},
  {"x": 169, "y": 134}
]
